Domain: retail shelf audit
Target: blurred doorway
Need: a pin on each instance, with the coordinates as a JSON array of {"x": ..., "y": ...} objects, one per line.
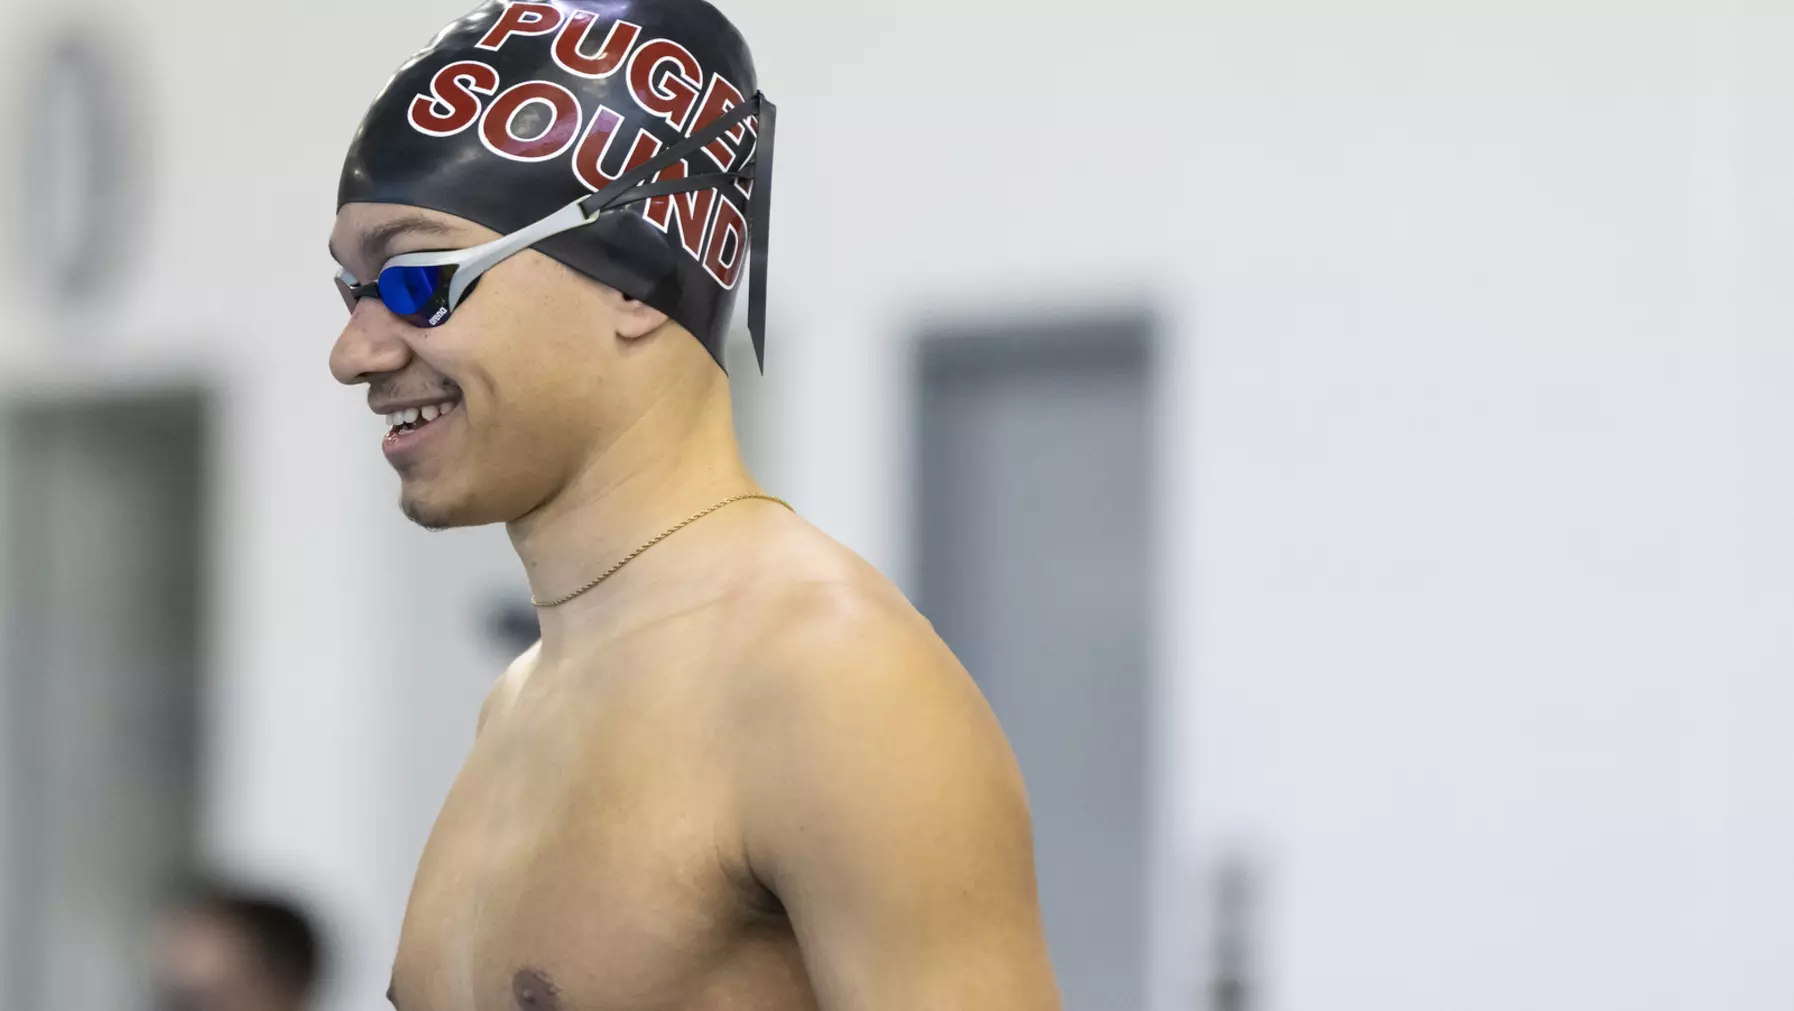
[
  {"x": 1034, "y": 544},
  {"x": 104, "y": 519}
]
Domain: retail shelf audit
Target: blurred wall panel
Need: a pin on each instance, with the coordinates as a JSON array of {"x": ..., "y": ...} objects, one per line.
[
  {"x": 1033, "y": 486},
  {"x": 102, "y": 676}
]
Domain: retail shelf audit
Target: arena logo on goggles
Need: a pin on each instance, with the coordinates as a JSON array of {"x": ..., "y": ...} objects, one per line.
[{"x": 664, "y": 79}]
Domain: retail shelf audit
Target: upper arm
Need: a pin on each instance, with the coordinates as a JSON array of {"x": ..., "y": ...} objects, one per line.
[{"x": 883, "y": 807}]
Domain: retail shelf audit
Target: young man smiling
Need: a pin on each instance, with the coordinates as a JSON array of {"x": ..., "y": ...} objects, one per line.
[{"x": 739, "y": 771}]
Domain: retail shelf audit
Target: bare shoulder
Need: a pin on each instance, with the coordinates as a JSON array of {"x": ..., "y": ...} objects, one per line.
[
  {"x": 880, "y": 802},
  {"x": 830, "y": 630},
  {"x": 848, "y": 698},
  {"x": 849, "y": 694},
  {"x": 505, "y": 690}
]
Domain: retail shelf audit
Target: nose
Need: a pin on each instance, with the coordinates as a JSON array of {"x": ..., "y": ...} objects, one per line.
[{"x": 372, "y": 344}]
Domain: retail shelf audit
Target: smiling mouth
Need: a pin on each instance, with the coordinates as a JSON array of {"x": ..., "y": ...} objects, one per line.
[{"x": 412, "y": 419}]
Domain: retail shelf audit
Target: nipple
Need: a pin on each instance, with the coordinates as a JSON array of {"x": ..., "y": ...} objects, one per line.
[{"x": 533, "y": 991}]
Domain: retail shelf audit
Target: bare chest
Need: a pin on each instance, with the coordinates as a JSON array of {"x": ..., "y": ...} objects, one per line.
[{"x": 581, "y": 862}]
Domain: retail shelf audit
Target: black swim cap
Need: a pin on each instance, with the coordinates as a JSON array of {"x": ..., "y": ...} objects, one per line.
[{"x": 520, "y": 108}]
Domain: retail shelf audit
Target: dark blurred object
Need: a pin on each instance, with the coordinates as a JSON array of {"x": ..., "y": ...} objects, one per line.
[
  {"x": 225, "y": 950},
  {"x": 513, "y": 626},
  {"x": 1236, "y": 930}
]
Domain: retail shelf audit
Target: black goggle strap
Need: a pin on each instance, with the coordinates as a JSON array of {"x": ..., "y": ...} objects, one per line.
[
  {"x": 617, "y": 191},
  {"x": 633, "y": 186},
  {"x": 667, "y": 187},
  {"x": 759, "y": 226}
]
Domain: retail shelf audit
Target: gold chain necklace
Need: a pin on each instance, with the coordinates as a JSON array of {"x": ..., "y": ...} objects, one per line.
[{"x": 663, "y": 535}]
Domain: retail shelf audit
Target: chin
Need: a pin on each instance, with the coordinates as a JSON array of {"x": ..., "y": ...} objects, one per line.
[
  {"x": 426, "y": 517},
  {"x": 435, "y": 507},
  {"x": 436, "y": 512}
]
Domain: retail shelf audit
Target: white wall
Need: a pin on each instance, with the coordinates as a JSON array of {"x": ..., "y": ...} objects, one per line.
[
  {"x": 1474, "y": 428},
  {"x": 1490, "y": 337}
]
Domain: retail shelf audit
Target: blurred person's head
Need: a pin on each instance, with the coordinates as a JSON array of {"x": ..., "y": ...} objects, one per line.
[
  {"x": 597, "y": 348},
  {"x": 230, "y": 951}
]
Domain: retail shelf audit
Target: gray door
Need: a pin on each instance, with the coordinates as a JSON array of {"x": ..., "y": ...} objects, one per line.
[
  {"x": 1034, "y": 541},
  {"x": 99, "y": 685}
]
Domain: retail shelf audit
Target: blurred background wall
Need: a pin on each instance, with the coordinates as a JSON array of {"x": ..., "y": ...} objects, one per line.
[{"x": 1459, "y": 346}]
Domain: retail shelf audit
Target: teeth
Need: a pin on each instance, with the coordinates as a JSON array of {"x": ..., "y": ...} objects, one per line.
[{"x": 425, "y": 414}]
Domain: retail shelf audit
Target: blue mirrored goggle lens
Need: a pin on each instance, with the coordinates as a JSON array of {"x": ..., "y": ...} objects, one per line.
[{"x": 406, "y": 290}]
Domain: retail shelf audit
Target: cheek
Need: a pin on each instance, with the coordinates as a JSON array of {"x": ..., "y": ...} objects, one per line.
[
  {"x": 533, "y": 408},
  {"x": 530, "y": 346}
]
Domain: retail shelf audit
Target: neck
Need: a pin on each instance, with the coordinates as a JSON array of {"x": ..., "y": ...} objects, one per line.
[{"x": 676, "y": 457}]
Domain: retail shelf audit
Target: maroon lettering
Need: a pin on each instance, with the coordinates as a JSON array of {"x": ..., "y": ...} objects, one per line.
[
  {"x": 727, "y": 236},
  {"x": 497, "y": 132},
  {"x": 718, "y": 100},
  {"x": 693, "y": 212},
  {"x": 672, "y": 95},
  {"x": 521, "y": 19},
  {"x": 594, "y": 150},
  {"x": 659, "y": 210},
  {"x": 572, "y": 39},
  {"x": 453, "y": 102}
]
